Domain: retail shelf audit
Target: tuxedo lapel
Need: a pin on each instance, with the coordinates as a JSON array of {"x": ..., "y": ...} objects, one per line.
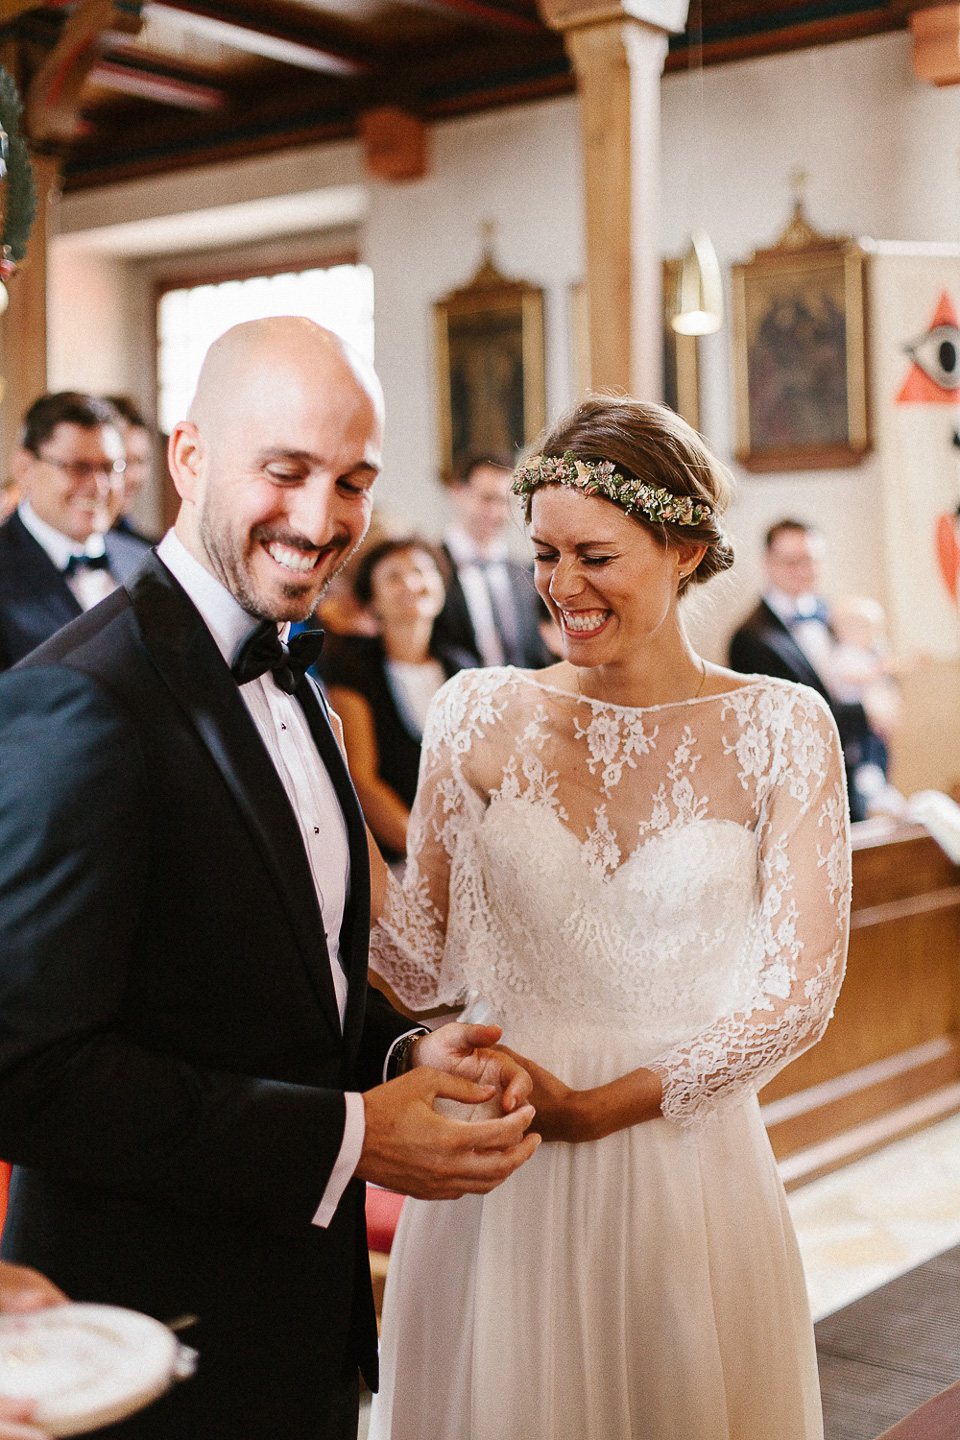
[
  {"x": 780, "y": 639},
  {"x": 184, "y": 652},
  {"x": 38, "y": 579},
  {"x": 355, "y": 929}
]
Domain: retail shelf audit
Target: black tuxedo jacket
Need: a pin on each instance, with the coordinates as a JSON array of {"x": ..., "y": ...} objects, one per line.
[
  {"x": 172, "y": 1066},
  {"x": 763, "y": 645},
  {"x": 454, "y": 627},
  {"x": 35, "y": 600}
]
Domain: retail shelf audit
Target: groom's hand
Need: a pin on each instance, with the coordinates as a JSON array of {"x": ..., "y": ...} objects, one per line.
[
  {"x": 409, "y": 1147},
  {"x": 466, "y": 1050}
]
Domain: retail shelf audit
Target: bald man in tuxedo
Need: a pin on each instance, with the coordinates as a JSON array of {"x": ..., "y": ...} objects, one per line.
[{"x": 195, "y": 1078}]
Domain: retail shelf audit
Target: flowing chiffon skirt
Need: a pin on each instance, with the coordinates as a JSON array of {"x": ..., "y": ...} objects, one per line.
[{"x": 646, "y": 1286}]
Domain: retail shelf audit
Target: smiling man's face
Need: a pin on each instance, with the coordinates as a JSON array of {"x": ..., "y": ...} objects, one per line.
[{"x": 278, "y": 492}]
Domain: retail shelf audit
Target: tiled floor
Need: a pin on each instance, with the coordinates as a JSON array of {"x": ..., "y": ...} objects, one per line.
[{"x": 879, "y": 1217}]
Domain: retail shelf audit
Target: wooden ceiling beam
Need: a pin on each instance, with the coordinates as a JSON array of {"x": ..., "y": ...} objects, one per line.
[
  {"x": 497, "y": 16},
  {"x": 257, "y": 36}
]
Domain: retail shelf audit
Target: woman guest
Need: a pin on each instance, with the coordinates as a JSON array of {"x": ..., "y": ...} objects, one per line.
[
  {"x": 381, "y": 686},
  {"x": 640, "y": 861}
]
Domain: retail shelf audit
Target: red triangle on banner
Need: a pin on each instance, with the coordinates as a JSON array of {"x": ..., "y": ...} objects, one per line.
[
  {"x": 945, "y": 313},
  {"x": 919, "y": 389}
]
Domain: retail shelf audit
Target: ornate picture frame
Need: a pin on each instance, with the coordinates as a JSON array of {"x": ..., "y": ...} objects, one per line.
[
  {"x": 490, "y": 367},
  {"x": 800, "y": 353}
]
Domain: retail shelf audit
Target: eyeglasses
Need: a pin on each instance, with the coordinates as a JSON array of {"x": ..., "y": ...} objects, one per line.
[{"x": 81, "y": 470}]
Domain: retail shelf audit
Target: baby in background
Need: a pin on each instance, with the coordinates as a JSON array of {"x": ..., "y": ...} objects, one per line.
[{"x": 859, "y": 668}]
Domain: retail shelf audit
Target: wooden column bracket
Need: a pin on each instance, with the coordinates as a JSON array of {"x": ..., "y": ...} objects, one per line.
[
  {"x": 936, "y": 44},
  {"x": 395, "y": 144}
]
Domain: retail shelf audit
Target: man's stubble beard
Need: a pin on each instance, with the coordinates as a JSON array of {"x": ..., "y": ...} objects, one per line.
[{"x": 232, "y": 572}]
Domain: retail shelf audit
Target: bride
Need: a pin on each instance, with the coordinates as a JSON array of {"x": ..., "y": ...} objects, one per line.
[{"x": 640, "y": 861}]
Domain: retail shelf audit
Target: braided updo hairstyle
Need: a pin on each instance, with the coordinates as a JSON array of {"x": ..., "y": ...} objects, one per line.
[{"x": 651, "y": 442}]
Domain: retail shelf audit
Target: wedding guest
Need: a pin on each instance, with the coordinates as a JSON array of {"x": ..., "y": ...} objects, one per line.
[
  {"x": 381, "y": 686},
  {"x": 639, "y": 861},
  {"x": 138, "y": 452},
  {"x": 491, "y": 606},
  {"x": 9, "y": 497},
  {"x": 788, "y": 636},
  {"x": 58, "y": 554}
]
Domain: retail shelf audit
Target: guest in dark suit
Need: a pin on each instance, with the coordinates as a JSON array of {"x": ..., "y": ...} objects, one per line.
[
  {"x": 137, "y": 440},
  {"x": 491, "y": 606},
  {"x": 381, "y": 686},
  {"x": 788, "y": 636},
  {"x": 58, "y": 556},
  {"x": 191, "y": 1064}
]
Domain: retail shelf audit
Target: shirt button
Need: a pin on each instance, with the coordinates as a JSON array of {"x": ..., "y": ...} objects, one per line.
[
  {"x": 316, "y": 829},
  {"x": 282, "y": 726}
]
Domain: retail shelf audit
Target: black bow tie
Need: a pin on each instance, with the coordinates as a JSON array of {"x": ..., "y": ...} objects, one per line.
[
  {"x": 86, "y": 562},
  {"x": 263, "y": 650}
]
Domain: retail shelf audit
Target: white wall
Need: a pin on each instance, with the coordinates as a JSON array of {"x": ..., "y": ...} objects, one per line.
[{"x": 874, "y": 142}]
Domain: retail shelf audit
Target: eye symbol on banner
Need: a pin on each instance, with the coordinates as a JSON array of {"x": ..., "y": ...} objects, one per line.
[
  {"x": 938, "y": 355},
  {"x": 934, "y": 377}
]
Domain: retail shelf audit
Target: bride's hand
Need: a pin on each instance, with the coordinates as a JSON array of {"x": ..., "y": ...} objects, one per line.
[{"x": 561, "y": 1111}]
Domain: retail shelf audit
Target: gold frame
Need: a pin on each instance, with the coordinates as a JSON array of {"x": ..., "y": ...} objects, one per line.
[
  {"x": 820, "y": 413},
  {"x": 504, "y": 316}
]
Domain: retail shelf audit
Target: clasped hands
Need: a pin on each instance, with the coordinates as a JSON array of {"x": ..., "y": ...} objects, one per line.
[{"x": 408, "y": 1146}]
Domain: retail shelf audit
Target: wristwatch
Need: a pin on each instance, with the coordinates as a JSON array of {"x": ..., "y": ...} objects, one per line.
[{"x": 398, "y": 1062}]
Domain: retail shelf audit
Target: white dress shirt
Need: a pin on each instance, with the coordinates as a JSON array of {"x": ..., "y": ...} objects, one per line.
[
  {"x": 810, "y": 633},
  {"x": 480, "y": 573},
  {"x": 88, "y": 586},
  {"x": 283, "y": 728}
]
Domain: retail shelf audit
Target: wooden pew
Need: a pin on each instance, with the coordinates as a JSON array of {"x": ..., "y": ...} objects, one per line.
[
  {"x": 889, "y": 1063},
  {"x": 939, "y": 1419}
]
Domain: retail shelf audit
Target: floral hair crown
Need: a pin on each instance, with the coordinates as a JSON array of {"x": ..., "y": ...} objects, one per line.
[{"x": 601, "y": 477}]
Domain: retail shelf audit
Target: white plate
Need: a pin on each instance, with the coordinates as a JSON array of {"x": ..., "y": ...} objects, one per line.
[{"x": 87, "y": 1365}]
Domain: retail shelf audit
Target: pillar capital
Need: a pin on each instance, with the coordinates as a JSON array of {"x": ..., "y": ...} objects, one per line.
[
  {"x": 670, "y": 16},
  {"x": 617, "y": 51}
]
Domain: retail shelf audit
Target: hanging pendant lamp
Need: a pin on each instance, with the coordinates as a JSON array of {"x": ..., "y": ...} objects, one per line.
[{"x": 699, "y": 290}]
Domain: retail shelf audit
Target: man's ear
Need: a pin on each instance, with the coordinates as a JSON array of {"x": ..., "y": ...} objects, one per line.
[{"x": 185, "y": 454}]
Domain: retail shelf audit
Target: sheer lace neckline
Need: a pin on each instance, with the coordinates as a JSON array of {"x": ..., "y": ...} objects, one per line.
[{"x": 530, "y": 676}]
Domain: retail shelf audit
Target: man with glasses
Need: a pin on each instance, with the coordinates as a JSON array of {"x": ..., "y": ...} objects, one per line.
[{"x": 57, "y": 555}]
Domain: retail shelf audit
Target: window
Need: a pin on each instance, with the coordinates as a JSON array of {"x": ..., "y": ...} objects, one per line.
[{"x": 189, "y": 320}]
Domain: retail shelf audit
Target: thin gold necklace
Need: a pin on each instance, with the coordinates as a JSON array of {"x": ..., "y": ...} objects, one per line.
[{"x": 696, "y": 695}]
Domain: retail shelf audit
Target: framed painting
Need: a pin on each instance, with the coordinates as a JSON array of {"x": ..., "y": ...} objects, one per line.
[
  {"x": 490, "y": 367},
  {"x": 800, "y": 364}
]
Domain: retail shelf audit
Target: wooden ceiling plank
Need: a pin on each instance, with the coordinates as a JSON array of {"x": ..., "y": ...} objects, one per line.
[
  {"x": 260, "y": 37},
  {"x": 153, "y": 84}
]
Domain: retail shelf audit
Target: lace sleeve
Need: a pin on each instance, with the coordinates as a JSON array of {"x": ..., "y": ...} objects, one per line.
[
  {"x": 407, "y": 944},
  {"x": 800, "y": 942}
]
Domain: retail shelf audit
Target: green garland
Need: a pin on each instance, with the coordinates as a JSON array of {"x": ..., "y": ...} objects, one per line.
[{"x": 19, "y": 193}]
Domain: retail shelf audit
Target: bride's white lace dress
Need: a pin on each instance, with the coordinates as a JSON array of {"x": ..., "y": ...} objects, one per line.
[{"x": 663, "y": 887}]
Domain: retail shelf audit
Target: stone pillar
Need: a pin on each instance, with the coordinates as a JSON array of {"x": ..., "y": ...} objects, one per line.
[{"x": 618, "y": 53}]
